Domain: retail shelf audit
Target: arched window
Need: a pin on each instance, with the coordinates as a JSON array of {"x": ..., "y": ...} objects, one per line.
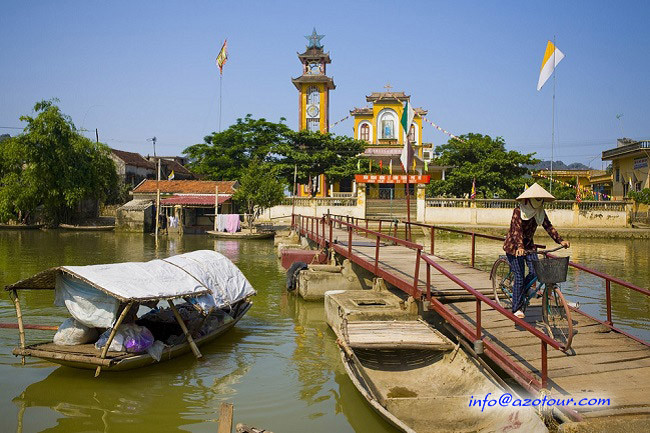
[
  {"x": 365, "y": 133},
  {"x": 313, "y": 96},
  {"x": 412, "y": 137},
  {"x": 387, "y": 122}
]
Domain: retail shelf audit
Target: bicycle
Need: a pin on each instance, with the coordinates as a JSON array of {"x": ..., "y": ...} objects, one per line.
[{"x": 549, "y": 271}]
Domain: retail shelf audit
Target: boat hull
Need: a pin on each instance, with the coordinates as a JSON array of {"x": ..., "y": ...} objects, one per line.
[
  {"x": 87, "y": 228},
  {"x": 428, "y": 390},
  {"x": 241, "y": 235},
  {"x": 130, "y": 361}
]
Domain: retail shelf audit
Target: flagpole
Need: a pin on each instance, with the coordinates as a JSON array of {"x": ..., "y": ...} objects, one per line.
[
  {"x": 220, "y": 86},
  {"x": 553, "y": 116},
  {"x": 408, "y": 195}
]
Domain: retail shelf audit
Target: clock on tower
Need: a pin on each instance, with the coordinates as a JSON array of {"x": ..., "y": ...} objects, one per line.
[{"x": 314, "y": 86}]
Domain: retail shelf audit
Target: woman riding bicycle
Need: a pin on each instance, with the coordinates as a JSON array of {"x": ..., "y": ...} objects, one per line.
[{"x": 519, "y": 239}]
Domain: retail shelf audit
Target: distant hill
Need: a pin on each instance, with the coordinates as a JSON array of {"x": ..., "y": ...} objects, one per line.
[{"x": 558, "y": 165}]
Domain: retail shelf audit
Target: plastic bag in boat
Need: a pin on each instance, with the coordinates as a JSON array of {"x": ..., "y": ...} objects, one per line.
[
  {"x": 71, "y": 332},
  {"x": 128, "y": 338},
  {"x": 156, "y": 350}
]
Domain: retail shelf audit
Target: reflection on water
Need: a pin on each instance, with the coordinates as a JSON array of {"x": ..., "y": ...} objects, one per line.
[{"x": 280, "y": 365}]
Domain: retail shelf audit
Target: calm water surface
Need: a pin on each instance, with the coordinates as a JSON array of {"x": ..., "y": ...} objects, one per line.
[{"x": 279, "y": 365}]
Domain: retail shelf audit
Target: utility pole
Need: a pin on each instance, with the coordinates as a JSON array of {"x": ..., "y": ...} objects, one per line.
[{"x": 157, "y": 213}]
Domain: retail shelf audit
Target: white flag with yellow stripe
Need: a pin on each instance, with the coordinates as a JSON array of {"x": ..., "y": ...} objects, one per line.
[{"x": 552, "y": 57}]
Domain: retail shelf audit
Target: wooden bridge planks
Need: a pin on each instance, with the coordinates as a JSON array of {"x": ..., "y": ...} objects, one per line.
[{"x": 605, "y": 364}]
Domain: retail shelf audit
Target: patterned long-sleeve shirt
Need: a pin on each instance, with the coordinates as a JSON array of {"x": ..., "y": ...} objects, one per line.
[{"x": 521, "y": 233}]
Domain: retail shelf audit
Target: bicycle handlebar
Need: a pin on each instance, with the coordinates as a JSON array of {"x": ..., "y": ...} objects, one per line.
[{"x": 546, "y": 251}]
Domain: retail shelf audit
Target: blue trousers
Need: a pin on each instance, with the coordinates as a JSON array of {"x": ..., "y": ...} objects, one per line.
[{"x": 520, "y": 281}]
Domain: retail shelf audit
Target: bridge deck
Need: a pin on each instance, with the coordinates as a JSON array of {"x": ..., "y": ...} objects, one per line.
[{"x": 602, "y": 364}]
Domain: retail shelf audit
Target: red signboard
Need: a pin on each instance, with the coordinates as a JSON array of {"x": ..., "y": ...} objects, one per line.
[{"x": 388, "y": 178}]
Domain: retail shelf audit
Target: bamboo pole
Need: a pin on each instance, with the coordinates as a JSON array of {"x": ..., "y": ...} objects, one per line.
[
  {"x": 216, "y": 206},
  {"x": 112, "y": 335},
  {"x": 190, "y": 340},
  {"x": 157, "y": 202},
  {"x": 21, "y": 328}
]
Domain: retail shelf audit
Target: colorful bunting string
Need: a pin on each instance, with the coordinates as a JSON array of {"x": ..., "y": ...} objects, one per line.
[
  {"x": 599, "y": 195},
  {"x": 444, "y": 131},
  {"x": 336, "y": 123}
]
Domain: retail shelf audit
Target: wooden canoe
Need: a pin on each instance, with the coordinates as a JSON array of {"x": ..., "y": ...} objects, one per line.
[
  {"x": 87, "y": 228},
  {"x": 86, "y": 356},
  {"x": 414, "y": 378},
  {"x": 241, "y": 235}
]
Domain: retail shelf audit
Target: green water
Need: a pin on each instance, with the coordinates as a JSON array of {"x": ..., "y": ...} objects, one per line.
[{"x": 279, "y": 365}]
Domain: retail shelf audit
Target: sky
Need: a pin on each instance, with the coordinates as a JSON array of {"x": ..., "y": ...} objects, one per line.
[{"x": 135, "y": 70}]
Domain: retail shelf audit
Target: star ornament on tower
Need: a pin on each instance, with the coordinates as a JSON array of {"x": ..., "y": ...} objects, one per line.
[{"x": 314, "y": 39}]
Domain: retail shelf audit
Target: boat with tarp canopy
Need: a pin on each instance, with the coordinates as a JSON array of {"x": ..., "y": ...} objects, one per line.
[{"x": 204, "y": 292}]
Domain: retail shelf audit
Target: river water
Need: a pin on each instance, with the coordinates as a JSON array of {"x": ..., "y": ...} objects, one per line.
[{"x": 279, "y": 365}]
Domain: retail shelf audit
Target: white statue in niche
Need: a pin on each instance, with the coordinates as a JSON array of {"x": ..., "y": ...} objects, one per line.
[{"x": 388, "y": 128}]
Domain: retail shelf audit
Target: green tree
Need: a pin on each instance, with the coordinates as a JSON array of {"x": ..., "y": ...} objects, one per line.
[
  {"x": 50, "y": 165},
  {"x": 642, "y": 196},
  {"x": 497, "y": 171},
  {"x": 225, "y": 155},
  {"x": 259, "y": 189},
  {"x": 314, "y": 153},
  {"x": 565, "y": 190}
]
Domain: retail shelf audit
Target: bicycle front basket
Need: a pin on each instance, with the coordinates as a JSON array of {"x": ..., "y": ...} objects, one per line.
[{"x": 551, "y": 270}]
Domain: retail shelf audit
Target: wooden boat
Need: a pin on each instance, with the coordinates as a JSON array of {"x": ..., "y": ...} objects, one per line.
[
  {"x": 242, "y": 235},
  {"x": 86, "y": 356},
  {"x": 416, "y": 379},
  {"x": 102, "y": 296},
  {"x": 87, "y": 228}
]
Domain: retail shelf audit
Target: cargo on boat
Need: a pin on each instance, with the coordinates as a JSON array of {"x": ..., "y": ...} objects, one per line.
[{"x": 128, "y": 315}]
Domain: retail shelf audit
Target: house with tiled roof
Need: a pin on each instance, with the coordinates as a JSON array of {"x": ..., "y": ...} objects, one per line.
[
  {"x": 191, "y": 202},
  {"x": 171, "y": 164},
  {"x": 132, "y": 167}
]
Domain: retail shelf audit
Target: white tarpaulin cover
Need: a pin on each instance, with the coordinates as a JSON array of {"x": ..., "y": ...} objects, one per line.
[
  {"x": 226, "y": 282},
  {"x": 90, "y": 292}
]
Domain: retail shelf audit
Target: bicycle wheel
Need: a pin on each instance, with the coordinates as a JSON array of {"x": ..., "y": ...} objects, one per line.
[
  {"x": 557, "y": 316},
  {"x": 502, "y": 280}
]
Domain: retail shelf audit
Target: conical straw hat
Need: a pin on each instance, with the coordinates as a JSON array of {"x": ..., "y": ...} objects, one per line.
[{"x": 536, "y": 191}]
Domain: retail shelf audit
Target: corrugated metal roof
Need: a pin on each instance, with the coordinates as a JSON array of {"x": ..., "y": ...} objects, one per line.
[{"x": 137, "y": 205}]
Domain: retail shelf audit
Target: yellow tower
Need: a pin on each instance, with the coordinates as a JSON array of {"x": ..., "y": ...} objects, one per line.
[
  {"x": 314, "y": 86},
  {"x": 314, "y": 101}
]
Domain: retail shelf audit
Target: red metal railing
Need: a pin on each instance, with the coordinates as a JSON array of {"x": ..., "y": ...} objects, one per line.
[
  {"x": 307, "y": 225},
  {"x": 607, "y": 278},
  {"x": 473, "y": 334},
  {"x": 476, "y": 334}
]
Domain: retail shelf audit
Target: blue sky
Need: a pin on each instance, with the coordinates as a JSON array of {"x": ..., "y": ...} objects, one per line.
[{"x": 138, "y": 69}]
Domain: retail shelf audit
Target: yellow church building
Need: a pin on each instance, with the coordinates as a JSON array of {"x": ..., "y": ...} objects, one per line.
[{"x": 378, "y": 125}]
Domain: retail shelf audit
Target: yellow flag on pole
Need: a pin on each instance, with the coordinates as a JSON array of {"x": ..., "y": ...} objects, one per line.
[
  {"x": 552, "y": 57},
  {"x": 222, "y": 56}
]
